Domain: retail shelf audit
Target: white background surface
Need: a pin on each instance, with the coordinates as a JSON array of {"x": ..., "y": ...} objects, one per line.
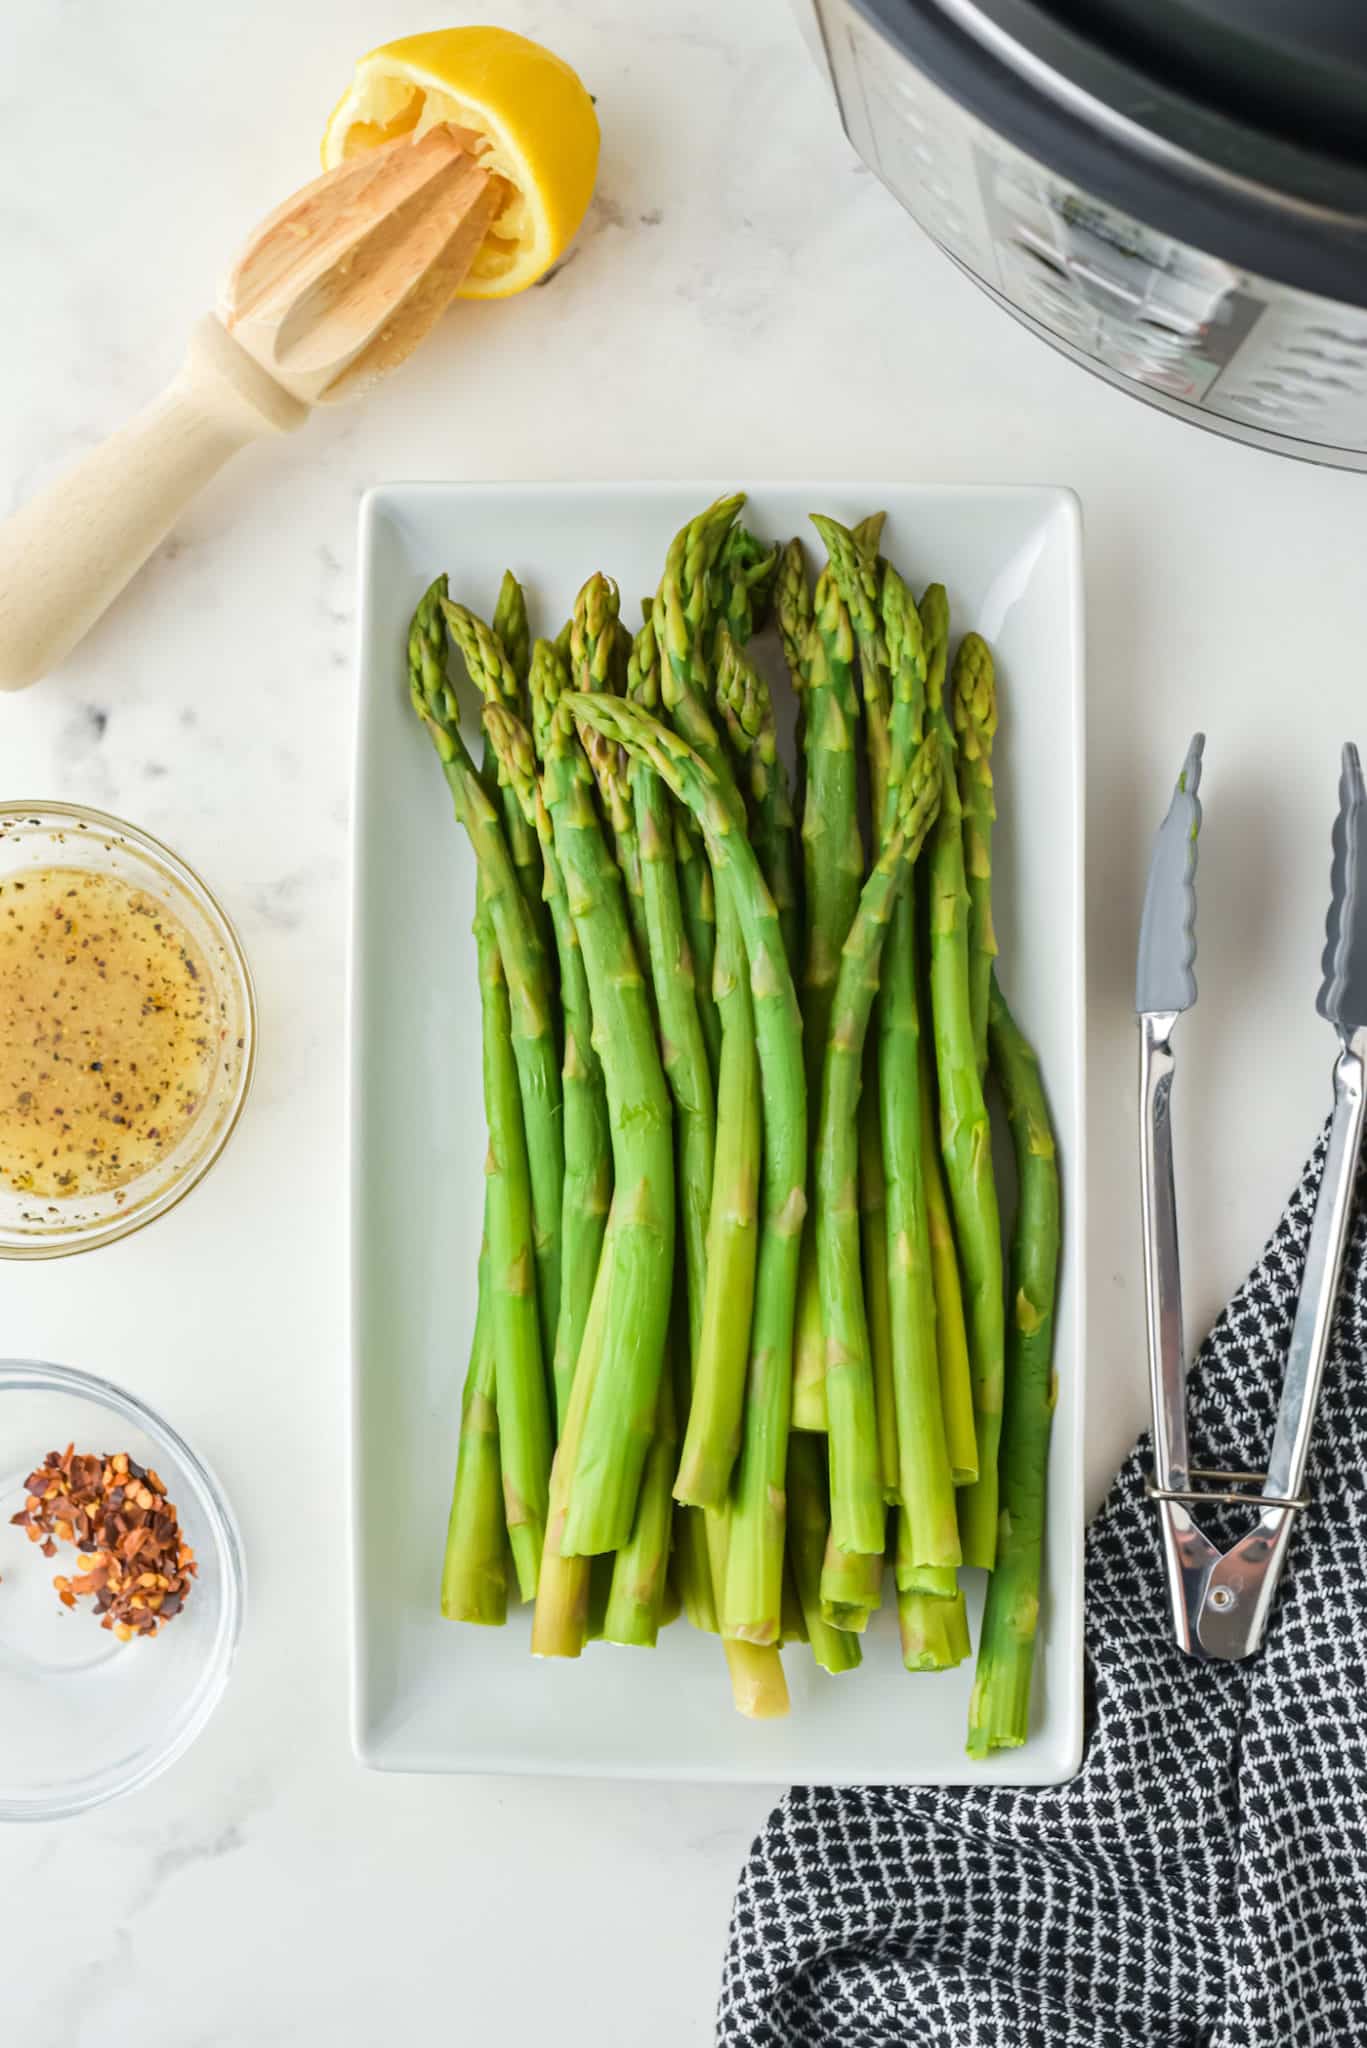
[{"x": 745, "y": 299}]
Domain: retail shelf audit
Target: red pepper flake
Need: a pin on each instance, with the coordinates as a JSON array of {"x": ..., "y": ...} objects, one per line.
[{"x": 137, "y": 1567}]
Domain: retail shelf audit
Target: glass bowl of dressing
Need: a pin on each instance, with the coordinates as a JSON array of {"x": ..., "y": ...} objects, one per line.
[
  {"x": 84, "y": 1715},
  {"x": 127, "y": 1029}
]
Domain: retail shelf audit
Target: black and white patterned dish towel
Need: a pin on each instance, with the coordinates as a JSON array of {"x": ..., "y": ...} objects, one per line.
[{"x": 1203, "y": 1879}]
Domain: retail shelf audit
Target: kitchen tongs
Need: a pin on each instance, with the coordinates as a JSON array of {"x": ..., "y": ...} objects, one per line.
[{"x": 1221, "y": 1599}]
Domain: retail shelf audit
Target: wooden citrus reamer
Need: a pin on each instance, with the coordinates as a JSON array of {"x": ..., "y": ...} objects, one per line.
[{"x": 332, "y": 291}]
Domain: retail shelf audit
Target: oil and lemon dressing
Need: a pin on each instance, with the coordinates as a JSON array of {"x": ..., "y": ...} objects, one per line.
[{"x": 107, "y": 1032}]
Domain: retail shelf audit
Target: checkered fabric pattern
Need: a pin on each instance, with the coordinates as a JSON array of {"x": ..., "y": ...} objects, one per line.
[{"x": 1203, "y": 1879}]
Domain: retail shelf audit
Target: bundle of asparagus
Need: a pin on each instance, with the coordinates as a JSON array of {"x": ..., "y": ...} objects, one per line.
[{"x": 741, "y": 1289}]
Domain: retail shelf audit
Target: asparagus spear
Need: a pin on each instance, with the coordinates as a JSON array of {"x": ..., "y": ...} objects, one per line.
[
  {"x": 500, "y": 680},
  {"x": 999, "y": 1715},
  {"x": 565, "y": 1590},
  {"x": 696, "y": 898},
  {"x": 753, "y": 1597},
  {"x": 620, "y": 657},
  {"x": 535, "y": 1135},
  {"x": 941, "y": 1581},
  {"x": 975, "y": 724},
  {"x": 690, "y": 1560},
  {"x": 609, "y": 767},
  {"x": 594, "y": 664},
  {"x": 831, "y": 837},
  {"x": 833, "y": 864},
  {"x": 564, "y": 1587},
  {"x": 510, "y": 626},
  {"x": 695, "y": 889},
  {"x": 951, "y": 1336},
  {"x": 873, "y": 1244},
  {"x": 741, "y": 586},
  {"x": 700, "y": 922},
  {"x": 474, "y": 1569},
  {"x": 717, "y": 1412},
  {"x": 793, "y": 613},
  {"x": 724, "y": 1418},
  {"x": 749, "y": 1598},
  {"x": 747, "y": 711},
  {"x": 637, "y": 1264},
  {"x": 682, "y": 619},
  {"x": 934, "y": 1632},
  {"x": 747, "y": 1567},
  {"x": 759, "y": 1689},
  {"x": 492, "y": 672},
  {"x": 868, "y": 534},
  {"x": 593, "y": 634},
  {"x": 925, "y": 1481},
  {"x": 474, "y": 1577},
  {"x": 685, "y": 1055},
  {"x": 851, "y": 1584},
  {"x": 834, "y": 1649},
  {"x": 636, "y": 1596},
  {"x": 856, "y": 1481},
  {"x": 689, "y": 1075},
  {"x": 588, "y": 1140},
  {"x": 525, "y": 1435},
  {"x": 858, "y": 575},
  {"x": 965, "y": 1135},
  {"x": 936, "y": 1581},
  {"x": 713, "y": 1431},
  {"x": 691, "y": 561}
]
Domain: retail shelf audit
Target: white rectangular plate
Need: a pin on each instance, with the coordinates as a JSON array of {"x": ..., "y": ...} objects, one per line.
[{"x": 431, "y": 1695}]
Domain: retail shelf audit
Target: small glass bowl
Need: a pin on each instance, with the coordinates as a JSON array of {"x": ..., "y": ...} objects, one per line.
[
  {"x": 67, "y": 835},
  {"x": 84, "y": 1717}
]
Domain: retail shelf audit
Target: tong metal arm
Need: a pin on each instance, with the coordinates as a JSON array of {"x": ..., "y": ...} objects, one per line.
[{"x": 1221, "y": 1599}]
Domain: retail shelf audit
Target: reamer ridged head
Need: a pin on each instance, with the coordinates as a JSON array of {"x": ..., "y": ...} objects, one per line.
[
  {"x": 1343, "y": 992},
  {"x": 1165, "y": 980}
]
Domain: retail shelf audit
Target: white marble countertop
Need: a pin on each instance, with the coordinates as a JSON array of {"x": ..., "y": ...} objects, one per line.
[{"x": 737, "y": 263}]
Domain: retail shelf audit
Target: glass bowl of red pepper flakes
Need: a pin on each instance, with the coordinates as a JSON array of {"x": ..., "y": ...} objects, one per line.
[{"x": 121, "y": 1592}]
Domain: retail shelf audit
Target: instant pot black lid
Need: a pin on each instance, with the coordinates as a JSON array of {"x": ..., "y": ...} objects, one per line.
[
  {"x": 1236, "y": 126},
  {"x": 1298, "y": 71}
]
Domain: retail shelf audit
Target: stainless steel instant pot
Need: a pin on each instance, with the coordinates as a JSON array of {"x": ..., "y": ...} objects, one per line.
[{"x": 1174, "y": 192}]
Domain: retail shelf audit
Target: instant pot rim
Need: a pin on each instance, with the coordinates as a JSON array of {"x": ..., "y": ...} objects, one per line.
[{"x": 1291, "y": 215}]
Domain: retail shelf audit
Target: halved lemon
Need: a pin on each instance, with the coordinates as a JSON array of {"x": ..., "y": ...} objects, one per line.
[{"x": 535, "y": 122}]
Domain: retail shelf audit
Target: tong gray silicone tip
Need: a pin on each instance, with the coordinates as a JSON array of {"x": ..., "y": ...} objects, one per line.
[
  {"x": 1342, "y": 1000},
  {"x": 1221, "y": 1599},
  {"x": 1167, "y": 930}
]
